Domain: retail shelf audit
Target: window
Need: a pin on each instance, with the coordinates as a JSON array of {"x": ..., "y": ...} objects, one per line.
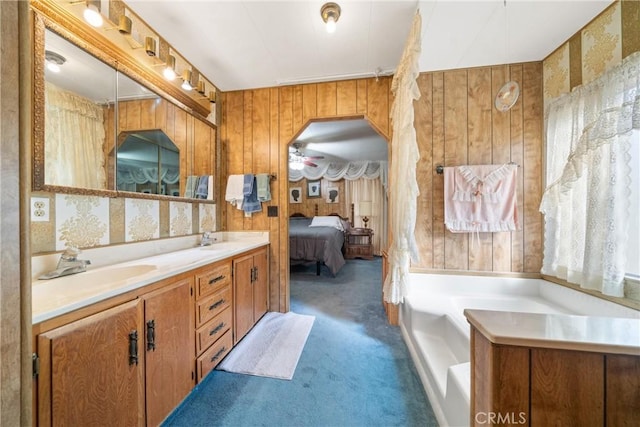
[{"x": 591, "y": 216}]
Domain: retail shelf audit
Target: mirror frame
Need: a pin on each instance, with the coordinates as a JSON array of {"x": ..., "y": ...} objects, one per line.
[{"x": 64, "y": 25}]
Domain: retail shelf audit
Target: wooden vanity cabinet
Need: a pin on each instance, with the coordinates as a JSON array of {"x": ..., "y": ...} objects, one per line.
[
  {"x": 131, "y": 359},
  {"x": 169, "y": 366},
  {"x": 250, "y": 285},
  {"x": 92, "y": 370},
  {"x": 214, "y": 316},
  {"x": 127, "y": 365}
]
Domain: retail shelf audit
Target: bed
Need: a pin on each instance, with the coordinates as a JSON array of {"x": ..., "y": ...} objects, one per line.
[{"x": 319, "y": 239}]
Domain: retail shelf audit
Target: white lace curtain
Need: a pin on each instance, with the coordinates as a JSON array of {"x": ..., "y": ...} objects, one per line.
[
  {"x": 403, "y": 190},
  {"x": 337, "y": 171},
  {"x": 74, "y": 140},
  {"x": 586, "y": 201}
]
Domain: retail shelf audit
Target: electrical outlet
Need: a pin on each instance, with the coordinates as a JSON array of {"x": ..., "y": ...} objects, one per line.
[{"x": 39, "y": 209}]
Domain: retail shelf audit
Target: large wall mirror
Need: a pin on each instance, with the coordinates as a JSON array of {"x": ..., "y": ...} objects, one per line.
[{"x": 99, "y": 131}]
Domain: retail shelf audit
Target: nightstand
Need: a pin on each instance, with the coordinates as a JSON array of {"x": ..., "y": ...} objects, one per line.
[{"x": 358, "y": 243}]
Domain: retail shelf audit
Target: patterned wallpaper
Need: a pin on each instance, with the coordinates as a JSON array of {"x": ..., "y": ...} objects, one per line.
[
  {"x": 89, "y": 221},
  {"x": 600, "y": 45}
]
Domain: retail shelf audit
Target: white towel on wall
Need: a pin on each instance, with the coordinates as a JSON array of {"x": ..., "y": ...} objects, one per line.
[{"x": 235, "y": 193}]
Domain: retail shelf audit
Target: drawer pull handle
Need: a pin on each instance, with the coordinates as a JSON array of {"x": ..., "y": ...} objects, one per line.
[
  {"x": 217, "y": 328},
  {"x": 218, "y": 354},
  {"x": 216, "y": 279},
  {"x": 216, "y": 304}
]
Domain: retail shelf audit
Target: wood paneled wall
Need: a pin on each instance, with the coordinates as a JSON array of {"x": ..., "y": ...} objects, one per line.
[
  {"x": 256, "y": 129},
  {"x": 456, "y": 123}
]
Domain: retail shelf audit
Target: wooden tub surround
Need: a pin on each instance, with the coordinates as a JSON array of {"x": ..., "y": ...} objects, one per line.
[{"x": 553, "y": 369}]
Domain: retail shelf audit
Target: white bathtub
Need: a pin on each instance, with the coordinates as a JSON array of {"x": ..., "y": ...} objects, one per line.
[{"x": 437, "y": 333}]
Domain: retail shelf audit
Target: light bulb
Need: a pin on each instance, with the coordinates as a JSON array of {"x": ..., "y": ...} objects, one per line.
[
  {"x": 53, "y": 67},
  {"x": 296, "y": 166},
  {"x": 331, "y": 25},
  {"x": 92, "y": 16},
  {"x": 186, "y": 85},
  {"x": 169, "y": 73}
]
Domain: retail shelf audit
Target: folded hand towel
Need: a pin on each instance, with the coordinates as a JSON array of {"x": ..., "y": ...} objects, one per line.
[
  {"x": 247, "y": 187},
  {"x": 264, "y": 193},
  {"x": 190, "y": 187},
  {"x": 210, "y": 187},
  {"x": 234, "y": 193},
  {"x": 251, "y": 203},
  {"x": 203, "y": 187}
]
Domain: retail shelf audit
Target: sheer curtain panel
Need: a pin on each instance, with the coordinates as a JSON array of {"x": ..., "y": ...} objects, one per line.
[
  {"x": 74, "y": 139},
  {"x": 403, "y": 186},
  {"x": 586, "y": 201}
]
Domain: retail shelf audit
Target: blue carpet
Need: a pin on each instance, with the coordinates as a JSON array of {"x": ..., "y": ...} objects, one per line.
[{"x": 355, "y": 369}]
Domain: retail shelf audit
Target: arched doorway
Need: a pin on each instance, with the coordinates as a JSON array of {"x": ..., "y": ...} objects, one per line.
[{"x": 337, "y": 167}]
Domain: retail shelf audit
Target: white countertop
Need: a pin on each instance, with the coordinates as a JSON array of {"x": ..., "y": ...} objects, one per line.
[
  {"x": 560, "y": 331},
  {"x": 51, "y": 298}
]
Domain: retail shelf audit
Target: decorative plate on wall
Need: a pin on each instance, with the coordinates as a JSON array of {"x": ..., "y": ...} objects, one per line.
[{"x": 507, "y": 96}]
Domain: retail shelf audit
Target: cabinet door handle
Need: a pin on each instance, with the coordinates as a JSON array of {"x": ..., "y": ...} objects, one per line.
[
  {"x": 133, "y": 347},
  {"x": 151, "y": 335},
  {"x": 218, "y": 354},
  {"x": 217, "y": 328},
  {"x": 216, "y": 304},
  {"x": 216, "y": 279},
  {"x": 255, "y": 274}
]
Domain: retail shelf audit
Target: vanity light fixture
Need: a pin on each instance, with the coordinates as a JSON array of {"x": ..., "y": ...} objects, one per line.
[
  {"x": 124, "y": 25},
  {"x": 150, "y": 45},
  {"x": 186, "y": 80},
  {"x": 169, "y": 71},
  {"x": 330, "y": 13},
  {"x": 212, "y": 96},
  {"x": 200, "y": 87},
  {"x": 54, "y": 61}
]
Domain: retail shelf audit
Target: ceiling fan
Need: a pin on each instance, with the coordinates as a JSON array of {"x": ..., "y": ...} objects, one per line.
[{"x": 297, "y": 159}]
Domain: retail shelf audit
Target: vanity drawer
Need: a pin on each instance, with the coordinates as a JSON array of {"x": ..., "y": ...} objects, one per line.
[
  {"x": 214, "y": 355},
  {"x": 208, "y": 333},
  {"x": 211, "y": 306},
  {"x": 211, "y": 280}
]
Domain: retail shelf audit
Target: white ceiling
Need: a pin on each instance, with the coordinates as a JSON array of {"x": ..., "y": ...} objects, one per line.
[{"x": 252, "y": 44}]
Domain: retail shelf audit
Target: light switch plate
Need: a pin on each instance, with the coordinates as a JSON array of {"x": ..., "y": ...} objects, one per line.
[{"x": 39, "y": 209}]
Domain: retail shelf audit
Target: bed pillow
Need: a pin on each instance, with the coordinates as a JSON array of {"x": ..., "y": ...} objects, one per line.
[{"x": 327, "y": 221}]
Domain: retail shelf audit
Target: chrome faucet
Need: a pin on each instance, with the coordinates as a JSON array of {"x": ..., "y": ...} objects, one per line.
[
  {"x": 68, "y": 264},
  {"x": 206, "y": 240},
  {"x": 69, "y": 258}
]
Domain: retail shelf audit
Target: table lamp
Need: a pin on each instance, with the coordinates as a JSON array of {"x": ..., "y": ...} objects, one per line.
[{"x": 364, "y": 210}]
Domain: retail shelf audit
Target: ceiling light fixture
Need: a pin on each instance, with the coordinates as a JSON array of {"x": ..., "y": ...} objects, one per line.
[
  {"x": 186, "y": 80},
  {"x": 330, "y": 13},
  {"x": 54, "y": 61},
  {"x": 169, "y": 71}
]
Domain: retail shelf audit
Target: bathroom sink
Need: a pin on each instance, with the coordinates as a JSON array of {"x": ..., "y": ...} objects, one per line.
[{"x": 104, "y": 275}]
